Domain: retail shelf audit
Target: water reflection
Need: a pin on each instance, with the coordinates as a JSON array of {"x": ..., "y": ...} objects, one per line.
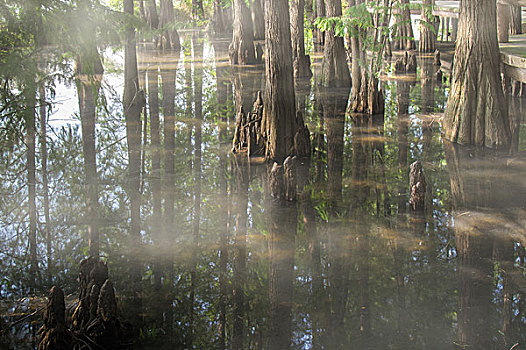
[{"x": 224, "y": 265}]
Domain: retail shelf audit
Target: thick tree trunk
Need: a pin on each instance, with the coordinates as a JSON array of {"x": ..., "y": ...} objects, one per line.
[
  {"x": 503, "y": 22},
  {"x": 404, "y": 37},
  {"x": 169, "y": 38},
  {"x": 515, "y": 20},
  {"x": 258, "y": 19},
  {"x": 427, "y": 35},
  {"x": 242, "y": 49},
  {"x": 133, "y": 102},
  {"x": 300, "y": 60},
  {"x": 476, "y": 112},
  {"x": 282, "y": 127},
  {"x": 335, "y": 72}
]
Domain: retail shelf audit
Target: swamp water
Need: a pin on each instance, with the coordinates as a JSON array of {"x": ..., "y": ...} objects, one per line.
[{"x": 223, "y": 264}]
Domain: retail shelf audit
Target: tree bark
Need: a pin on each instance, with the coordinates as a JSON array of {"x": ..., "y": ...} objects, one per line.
[
  {"x": 169, "y": 38},
  {"x": 335, "y": 72},
  {"x": 427, "y": 35},
  {"x": 476, "y": 112},
  {"x": 300, "y": 61},
  {"x": 242, "y": 49},
  {"x": 281, "y": 125},
  {"x": 503, "y": 22},
  {"x": 405, "y": 37}
]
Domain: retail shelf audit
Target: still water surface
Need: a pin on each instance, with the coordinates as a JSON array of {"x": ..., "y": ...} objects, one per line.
[{"x": 224, "y": 264}]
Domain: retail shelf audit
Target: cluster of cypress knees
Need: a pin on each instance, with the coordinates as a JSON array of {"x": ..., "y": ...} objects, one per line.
[{"x": 94, "y": 322}]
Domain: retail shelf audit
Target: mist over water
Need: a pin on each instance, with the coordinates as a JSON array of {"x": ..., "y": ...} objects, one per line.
[{"x": 346, "y": 265}]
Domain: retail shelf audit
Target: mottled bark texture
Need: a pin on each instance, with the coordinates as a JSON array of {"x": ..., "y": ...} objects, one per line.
[
  {"x": 427, "y": 33},
  {"x": 241, "y": 49},
  {"x": 404, "y": 37},
  {"x": 300, "y": 60},
  {"x": 335, "y": 72},
  {"x": 476, "y": 112},
  {"x": 169, "y": 38},
  {"x": 283, "y": 128}
]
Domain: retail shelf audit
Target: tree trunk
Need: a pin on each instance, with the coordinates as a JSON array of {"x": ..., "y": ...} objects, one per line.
[
  {"x": 242, "y": 49},
  {"x": 133, "y": 103},
  {"x": 258, "y": 19},
  {"x": 281, "y": 126},
  {"x": 169, "y": 38},
  {"x": 405, "y": 37},
  {"x": 476, "y": 112},
  {"x": 503, "y": 22},
  {"x": 152, "y": 17},
  {"x": 300, "y": 60},
  {"x": 427, "y": 35},
  {"x": 335, "y": 72},
  {"x": 515, "y": 20}
]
